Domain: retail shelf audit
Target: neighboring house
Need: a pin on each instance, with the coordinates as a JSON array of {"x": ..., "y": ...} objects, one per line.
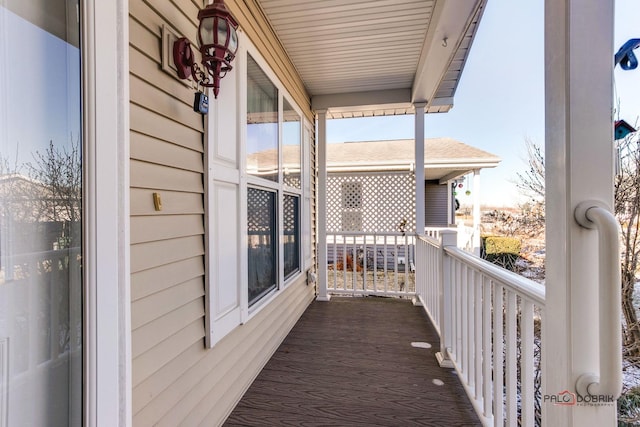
[
  {"x": 195, "y": 260},
  {"x": 371, "y": 185}
]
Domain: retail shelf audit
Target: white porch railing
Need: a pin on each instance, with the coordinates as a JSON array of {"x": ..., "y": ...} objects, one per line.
[
  {"x": 465, "y": 235},
  {"x": 489, "y": 321},
  {"x": 362, "y": 263}
]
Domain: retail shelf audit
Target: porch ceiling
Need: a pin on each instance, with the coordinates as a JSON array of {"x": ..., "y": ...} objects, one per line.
[{"x": 362, "y": 58}]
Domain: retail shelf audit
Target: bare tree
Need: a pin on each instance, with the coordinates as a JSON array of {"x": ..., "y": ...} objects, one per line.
[
  {"x": 59, "y": 171},
  {"x": 46, "y": 192},
  {"x": 531, "y": 182},
  {"x": 627, "y": 210}
]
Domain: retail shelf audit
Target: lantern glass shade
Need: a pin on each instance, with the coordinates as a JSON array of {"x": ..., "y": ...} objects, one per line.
[
  {"x": 233, "y": 41},
  {"x": 216, "y": 31},
  {"x": 222, "y": 32},
  {"x": 205, "y": 32}
]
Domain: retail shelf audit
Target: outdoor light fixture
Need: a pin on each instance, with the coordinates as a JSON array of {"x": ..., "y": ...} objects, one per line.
[{"x": 218, "y": 43}]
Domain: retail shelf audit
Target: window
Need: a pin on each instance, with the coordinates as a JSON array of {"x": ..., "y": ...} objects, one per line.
[
  {"x": 291, "y": 243},
  {"x": 274, "y": 185},
  {"x": 41, "y": 216},
  {"x": 262, "y": 240}
]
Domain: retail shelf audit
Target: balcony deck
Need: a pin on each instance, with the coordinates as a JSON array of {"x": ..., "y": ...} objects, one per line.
[{"x": 351, "y": 362}]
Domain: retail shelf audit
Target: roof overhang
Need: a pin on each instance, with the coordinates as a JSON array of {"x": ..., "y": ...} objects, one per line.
[{"x": 359, "y": 60}]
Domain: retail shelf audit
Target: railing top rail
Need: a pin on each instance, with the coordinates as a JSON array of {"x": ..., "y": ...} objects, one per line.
[
  {"x": 521, "y": 285},
  {"x": 370, "y": 233},
  {"x": 429, "y": 240}
]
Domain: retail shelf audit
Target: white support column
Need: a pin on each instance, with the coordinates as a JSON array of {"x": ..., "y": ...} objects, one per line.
[
  {"x": 579, "y": 167},
  {"x": 323, "y": 295},
  {"x": 419, "y": 174},
  {"x": 476, "y": 212}
]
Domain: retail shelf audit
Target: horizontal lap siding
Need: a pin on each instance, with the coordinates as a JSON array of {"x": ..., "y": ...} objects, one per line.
[
  {"x": 167, "y": 246},
  {"x": 435, "y": 199},
  {"x": 176, "y": 381}
]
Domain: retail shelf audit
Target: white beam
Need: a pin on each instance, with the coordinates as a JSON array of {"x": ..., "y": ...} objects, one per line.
[
  {"x": 451, "y": 20},
  {"x": 387, "y": 99},
  {"x": 451, "y": 176},
  {"x": 323, "y": 295},
  {"x": 579, "y": 167},
  {"x": 419, "y": 175}
]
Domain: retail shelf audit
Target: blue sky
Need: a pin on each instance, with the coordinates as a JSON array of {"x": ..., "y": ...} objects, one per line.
[{"x": 500, "y": 98}]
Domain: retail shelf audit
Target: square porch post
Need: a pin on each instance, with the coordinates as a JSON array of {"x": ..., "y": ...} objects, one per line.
[
  {"x": 323, "y": 295},
  {"x": 476, "y": 212},
  {"x": 579, "y": 167},
  {"x": 419, "y": 171}
]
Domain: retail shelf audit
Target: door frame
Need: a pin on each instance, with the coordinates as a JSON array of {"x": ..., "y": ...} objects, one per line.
[{"x": 107, "y": 307}]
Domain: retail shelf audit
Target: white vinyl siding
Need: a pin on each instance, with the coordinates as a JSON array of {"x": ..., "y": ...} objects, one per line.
[{"x": 435, "y": 200}]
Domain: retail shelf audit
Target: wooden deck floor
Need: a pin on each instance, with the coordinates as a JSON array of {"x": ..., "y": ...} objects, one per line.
[{"x": 350, "y": 362}]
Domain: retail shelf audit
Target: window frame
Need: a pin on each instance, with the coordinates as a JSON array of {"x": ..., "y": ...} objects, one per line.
[{"x": 252, "y": 181}]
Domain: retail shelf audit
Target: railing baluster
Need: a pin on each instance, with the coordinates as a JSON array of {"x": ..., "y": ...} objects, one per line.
[
  {"x": 526, "y": 364},
  {"x": 458, "y": 308},
  {"x": 464, "y": 347},
  {"x": 471, "y": 345},
  {"x": 498, "y": 355},
  {"x": 364, "y": 263},
  {"x": 375, "y": 262},
  {"x": 59, "y": 275},
  {"x": 384, "y": 259},
  {"x": 435, "y": 268},
  {"x": 487, "y": 399},
  {"x": 354, "y": 266},
  {"x": 395, "y": 263},
  {"x": 512, "y": 361},
  {"x": 344, "y": 262},
  {"x": 406, "y": 265},
  {"x": 477, "y": 309},
  {"x": 335, "y": 262}
]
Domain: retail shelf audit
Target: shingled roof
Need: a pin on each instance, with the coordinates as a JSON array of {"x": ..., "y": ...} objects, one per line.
[
  {"x": 437, "y": 151},
  {"x": 445, "y": 158}
]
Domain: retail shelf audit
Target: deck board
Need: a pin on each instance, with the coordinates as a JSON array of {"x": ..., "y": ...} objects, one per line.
[{"x": 349, "y": 362}]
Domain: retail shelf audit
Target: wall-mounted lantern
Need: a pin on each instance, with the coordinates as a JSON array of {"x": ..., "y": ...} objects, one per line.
[{"x": 218, "y": 43}]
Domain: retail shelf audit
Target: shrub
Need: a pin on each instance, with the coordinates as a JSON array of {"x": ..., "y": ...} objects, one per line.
[
  {"x": 493, "y": 245},
  {"x": 501, "y": 250},
  {"x": 629, "y": 408}
]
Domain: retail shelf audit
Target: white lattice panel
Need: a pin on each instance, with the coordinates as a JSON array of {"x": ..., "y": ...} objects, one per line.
[
  {"x": 351, "y": 221},
  {"x": 351, "y": 195},
  {"x": 370, "y": 202}
]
